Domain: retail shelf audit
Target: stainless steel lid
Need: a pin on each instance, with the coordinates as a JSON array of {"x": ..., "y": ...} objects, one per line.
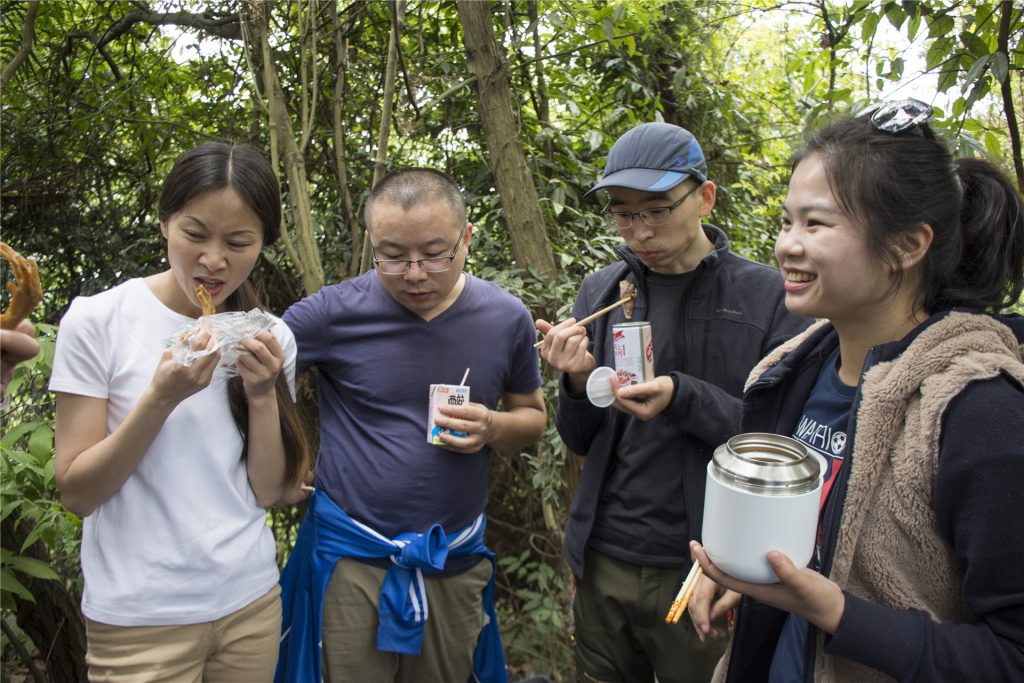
[{"x": 766, "y": 464}]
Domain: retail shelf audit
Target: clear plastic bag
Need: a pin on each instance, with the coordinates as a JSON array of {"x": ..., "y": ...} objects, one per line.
[{"x": 226, "y": 330}]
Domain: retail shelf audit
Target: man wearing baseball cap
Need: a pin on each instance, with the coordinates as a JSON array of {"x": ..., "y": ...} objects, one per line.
[{"x": 713, "y": 315}]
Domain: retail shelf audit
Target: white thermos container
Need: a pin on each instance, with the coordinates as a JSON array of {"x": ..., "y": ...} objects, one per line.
[{"x": 762, "y": 494}]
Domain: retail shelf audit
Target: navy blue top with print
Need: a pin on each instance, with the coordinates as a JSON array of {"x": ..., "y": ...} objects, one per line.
[{"x": 822, "y": 428}]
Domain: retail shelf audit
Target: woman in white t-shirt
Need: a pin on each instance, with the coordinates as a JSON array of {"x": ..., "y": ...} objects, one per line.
[{"x": 171, "y": 466}]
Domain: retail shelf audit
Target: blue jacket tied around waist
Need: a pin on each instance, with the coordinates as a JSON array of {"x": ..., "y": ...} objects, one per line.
[{"x": 327, "y": 535}]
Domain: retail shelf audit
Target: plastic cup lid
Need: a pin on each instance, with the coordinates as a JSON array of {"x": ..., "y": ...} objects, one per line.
[{"x": 599, "y": 389}]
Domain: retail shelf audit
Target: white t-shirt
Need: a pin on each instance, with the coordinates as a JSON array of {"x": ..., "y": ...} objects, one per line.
[{"x": 184, "y": 540}]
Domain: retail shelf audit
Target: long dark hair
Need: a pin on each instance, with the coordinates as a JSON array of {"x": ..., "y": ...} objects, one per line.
[
  {"x": 895, "y": 182},
  {"x": 215, "y": 166}
]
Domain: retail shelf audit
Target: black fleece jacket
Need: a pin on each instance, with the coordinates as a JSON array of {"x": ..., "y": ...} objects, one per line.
[{"x": 732, "y": 315}]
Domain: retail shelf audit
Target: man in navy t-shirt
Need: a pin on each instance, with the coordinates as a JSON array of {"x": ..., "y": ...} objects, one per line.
[{"x": 378, "y": 341}]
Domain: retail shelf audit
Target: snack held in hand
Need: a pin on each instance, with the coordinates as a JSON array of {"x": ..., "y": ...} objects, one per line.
[{"x": 26, "y": 291}]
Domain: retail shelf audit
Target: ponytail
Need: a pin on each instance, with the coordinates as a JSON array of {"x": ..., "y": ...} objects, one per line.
[{"x": 990, "y": 272}]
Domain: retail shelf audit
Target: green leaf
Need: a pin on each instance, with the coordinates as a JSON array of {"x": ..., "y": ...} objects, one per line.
[
  {"x": 947, "y": 79},
  {"x": 13, "y": 434},
  {"x": 895, "y": 14},
  {"x": 974, "y": 71},
  {"x": 913, "y": 25},
  {"x": 868, "y": 26},
  {"x": 993, "y": 145},
  {"x": 975, "y": 45},
  {"x": 9, "y": 584},
  {"x": 943, "y": 25},
  {"x": 10, "y": 507},
  {"x": 32, "y": 567},
  {"x": 1000, "y": 66},
  {"x": 40, "y": 444},
  {"x": 937, "y": 53}
]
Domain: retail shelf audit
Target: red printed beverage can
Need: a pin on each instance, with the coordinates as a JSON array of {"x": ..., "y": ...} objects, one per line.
[{"x": 634, "y": 352}]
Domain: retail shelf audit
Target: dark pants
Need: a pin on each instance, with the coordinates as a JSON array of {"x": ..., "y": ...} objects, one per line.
[{"x": 621, "y": 634}]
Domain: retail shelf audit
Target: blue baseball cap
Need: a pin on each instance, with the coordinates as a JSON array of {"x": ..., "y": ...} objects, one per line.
[{"x": 653, "y": 157}]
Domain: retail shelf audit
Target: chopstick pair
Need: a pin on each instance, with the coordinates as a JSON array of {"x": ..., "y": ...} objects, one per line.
[
  {"x": 678, "y": 607},
  {"x": 594, "y": 316}
]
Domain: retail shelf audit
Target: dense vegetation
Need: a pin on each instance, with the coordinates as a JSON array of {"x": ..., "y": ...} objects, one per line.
[{"x": 518, "y": 99}]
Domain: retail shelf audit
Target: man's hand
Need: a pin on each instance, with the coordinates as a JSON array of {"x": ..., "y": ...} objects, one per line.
[
  {"x": 472, "y": 419},
  {"x": 647, "y": 399},
  {"x": 16, "y": 346},
  {"x": 565, "y": 348}
]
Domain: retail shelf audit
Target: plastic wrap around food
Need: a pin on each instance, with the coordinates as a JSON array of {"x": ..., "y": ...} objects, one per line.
[{"x": 225, "y": 330}]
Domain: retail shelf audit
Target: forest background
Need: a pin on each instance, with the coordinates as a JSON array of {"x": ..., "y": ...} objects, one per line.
[{"x": 519, "y": 100}]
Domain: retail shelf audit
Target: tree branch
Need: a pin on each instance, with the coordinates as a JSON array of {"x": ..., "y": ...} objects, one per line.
[
  {"x": 28, "y": 31},
  {"x": 1002, "y": 45},
  {"x": 229, "y": 26}
]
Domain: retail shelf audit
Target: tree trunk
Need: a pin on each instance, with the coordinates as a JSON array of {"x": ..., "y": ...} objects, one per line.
[
  {"x": 498, "y": 113},
  {"x": 380, "y": 162},
  {"x": 53, "y": 622},
  {"x": 306, "y": 250},
  {"x": 338, "y": 132}
]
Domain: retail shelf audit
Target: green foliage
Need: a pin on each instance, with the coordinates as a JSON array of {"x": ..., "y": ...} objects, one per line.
[
  {"x": 28, "y": 493},
  {"x": 533, "y": 619},
  {"x": 91, "y": 124}
]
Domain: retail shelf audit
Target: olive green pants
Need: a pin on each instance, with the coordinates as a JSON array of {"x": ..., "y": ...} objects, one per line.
[
  {"x": 621, "y": 634},
  {"x": 456, "y": 617}
]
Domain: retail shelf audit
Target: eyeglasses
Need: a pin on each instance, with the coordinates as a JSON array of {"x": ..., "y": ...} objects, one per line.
[
  {"x": 434, "y": 264},
  {"x": 896, "y": 117},
  {"x": 652, "y": 218}
]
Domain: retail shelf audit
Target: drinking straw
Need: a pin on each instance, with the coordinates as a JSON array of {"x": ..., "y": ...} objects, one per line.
[{"x": 463, "y": 382}]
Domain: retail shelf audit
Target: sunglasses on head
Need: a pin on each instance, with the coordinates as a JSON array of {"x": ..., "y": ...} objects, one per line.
[{"x": 896, "y": 117}]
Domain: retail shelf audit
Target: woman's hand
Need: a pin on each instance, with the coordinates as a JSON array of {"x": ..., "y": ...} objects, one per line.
[
  {"x": 260, "y": 364},
  {"x": 173, "y": 382},
  {"x": 708, "y": 604},
  {"x": 803, "y": 592}
]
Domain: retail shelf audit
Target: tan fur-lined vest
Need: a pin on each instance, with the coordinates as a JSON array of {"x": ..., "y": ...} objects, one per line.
[{"x": 889, "y": 549}]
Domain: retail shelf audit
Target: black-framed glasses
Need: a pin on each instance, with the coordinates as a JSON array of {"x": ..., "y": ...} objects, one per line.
[
  {"x": 433, "y": 264},
  {"x": 896, "y": 117},
  {"x": 652, "y": 218}
]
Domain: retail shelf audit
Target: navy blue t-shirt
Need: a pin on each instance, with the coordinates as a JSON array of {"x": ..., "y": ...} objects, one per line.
[
  {"x": 822, "y": 428},
  {"x": 376, "y": 361}
]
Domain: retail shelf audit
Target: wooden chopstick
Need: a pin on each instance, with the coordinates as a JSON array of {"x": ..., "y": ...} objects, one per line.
[
  {"x": 594, "y": 316},
  {"x": 678, "y": 607}
]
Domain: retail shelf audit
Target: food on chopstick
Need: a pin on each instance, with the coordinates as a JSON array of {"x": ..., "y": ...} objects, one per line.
[{"x": 627, "y": 293}]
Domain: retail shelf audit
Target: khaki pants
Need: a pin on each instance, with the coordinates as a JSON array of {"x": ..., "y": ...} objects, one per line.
[
  {"x": 239, "y": 648},
  {"x": 456, "y": 616},
  {"x": 621, "y": 634}
]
